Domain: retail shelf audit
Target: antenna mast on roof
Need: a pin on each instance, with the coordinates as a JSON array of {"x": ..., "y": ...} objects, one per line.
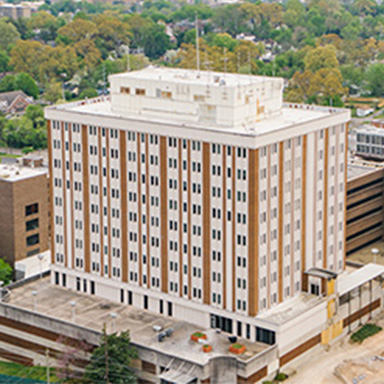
[
  {"x": 225, "y": 59},
  {"x": 197, "y": 45},
  {"x": 104, "y": 81},
  {"x": 249, "y": 62},
  {"x": 128, "y": 60}
]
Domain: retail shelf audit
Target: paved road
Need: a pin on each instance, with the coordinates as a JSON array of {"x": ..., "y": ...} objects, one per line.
[
  {"x": 318, "y": 368},
  {"x": 359, "y": 120}
]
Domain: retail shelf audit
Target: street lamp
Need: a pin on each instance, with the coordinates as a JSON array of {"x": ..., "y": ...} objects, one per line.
[
  {"x": 34, "y": 294},
  {"x": 114, "y": 316},
  {"x": 73, "y": 305},
  {"x": 41, "y": 257},
  {"x": 375, "y": 252}
]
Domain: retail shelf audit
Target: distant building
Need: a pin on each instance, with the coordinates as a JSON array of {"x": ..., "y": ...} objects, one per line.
[
  {"x": 367, "y": 141},
  {"x": 19, "y": 11},
  {"x": 24, "y": 224},
  {"x": 14, "y": 102},
  {"x": 364, "y": 110}
]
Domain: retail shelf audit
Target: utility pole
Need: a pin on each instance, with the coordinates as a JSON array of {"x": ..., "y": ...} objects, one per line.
[
  {"x": 225, "y": 59},
  {"x": 106, "y": 355},
  {"x": 128, "y": 60},
  {"x": 48, "y": 374},
  {"x": 104, "y": 80},
  {"x": 197, "y": 44}
]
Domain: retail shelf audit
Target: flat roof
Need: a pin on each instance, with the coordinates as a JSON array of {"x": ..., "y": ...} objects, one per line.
[
  {"x": 356, "y": 170},
  {"x": 92, "y": 312},
  {"x": 348, "y": 282},
  {"x": 291, "y": 308},
  {"x": 15, "y": 172},
  {"x": 195, "y": 77},
  {"x": 291, "y": 115}
]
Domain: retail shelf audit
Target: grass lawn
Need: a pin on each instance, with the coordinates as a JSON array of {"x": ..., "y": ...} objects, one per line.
[
  {"x": 18, "y": 370},
  {"x": 380, "y": 116},
  {"x": 364, "y": 332}
]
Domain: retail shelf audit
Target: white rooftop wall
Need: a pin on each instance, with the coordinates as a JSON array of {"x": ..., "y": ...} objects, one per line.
[{"x": 211, "y": 98}]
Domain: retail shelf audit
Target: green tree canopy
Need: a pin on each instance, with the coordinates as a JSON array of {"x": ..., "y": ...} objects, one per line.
[
  {"x": 375, "y": 76},
  {"x": 5, "y": 272},
  {"x": 120, "y": 354},
  {"x": 25, "y": 83},
  {"x": 8, "y": 34}
]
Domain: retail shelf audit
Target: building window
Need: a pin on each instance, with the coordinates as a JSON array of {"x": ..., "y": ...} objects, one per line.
[
  {"x": 170, "y": 309},
  {"x": 239, "y": 327},
  {"x": 32, "y": 240},
  {"x": 161, "y": 306},
  {"x": 140, "y": 92},
  {"x": 92, "y": 287},
  {"x": 130, "y": 300},
  {"x": 64, "y": 279},
  {"x": 125, "y": 90},
  {"x": 265, "y": 336},
  {"x": 248, "y": 331},
  {"x": 57, "y": 282},
  {"x": 220, "y": 322},
  {"x": 31, "y": 209},
  {"x": 145, "y": 302},
  {"x": 32, "y": 224}
]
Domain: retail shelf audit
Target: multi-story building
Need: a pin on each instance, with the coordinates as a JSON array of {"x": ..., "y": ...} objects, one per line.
[
  {"x": 365, "y": 204},
  {"x": 24, "y": 230},
  {"x": 197, "y": 195},
  {"x": 23, "y": 10},
  {"x": 368, "y": 142}
]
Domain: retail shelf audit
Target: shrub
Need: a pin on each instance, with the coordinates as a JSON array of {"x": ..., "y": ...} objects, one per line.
[
  {"x": 364, "y": 332},
  {"x": 281, "y": 376}
]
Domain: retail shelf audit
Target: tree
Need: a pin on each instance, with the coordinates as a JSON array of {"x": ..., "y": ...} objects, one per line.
[
  {"x": 72, "y": 354},
  {"x": 7, "y": 83},
  {"x": 374, "y": 77},
  {"x": 53, "y": 92},
  {"x": 116, "y": 352},
  {"x": 26, "y": 56},
  {"x": 87, "y": 50},
  {"x": 5, "y": 272},
  {"x": 4, "y": 60},
  {"x": 88, "y": 93},
  {"x": 25, "y": 83},
  {"x": 111, "y": 32},
  {"x": 76, "y": 31},
  {"x": 44, "y": 25},
  {"x": 321, "y": 57},
  {"x": 224, "y": 40},
  {"x": 8, "y": 34}
]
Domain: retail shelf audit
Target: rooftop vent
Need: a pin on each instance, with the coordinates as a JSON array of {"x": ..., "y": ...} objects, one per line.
[{"x": 161, "y": 337}]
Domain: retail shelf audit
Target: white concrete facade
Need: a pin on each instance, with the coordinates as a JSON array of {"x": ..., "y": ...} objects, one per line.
[{"x": 192, "y": 217}]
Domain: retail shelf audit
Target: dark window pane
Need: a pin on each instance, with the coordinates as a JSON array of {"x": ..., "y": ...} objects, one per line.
[
  {"x": 31, "y": 209},
  {"x": 32, "y": 240},
  {"x": 32, "y": 224}
]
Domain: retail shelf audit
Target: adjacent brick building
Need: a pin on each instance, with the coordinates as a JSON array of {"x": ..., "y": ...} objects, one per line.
[{"x": 23, "y": 212}]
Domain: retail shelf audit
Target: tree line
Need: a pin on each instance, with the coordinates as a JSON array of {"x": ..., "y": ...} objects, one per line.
[{"x": 325, "y": 49}]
